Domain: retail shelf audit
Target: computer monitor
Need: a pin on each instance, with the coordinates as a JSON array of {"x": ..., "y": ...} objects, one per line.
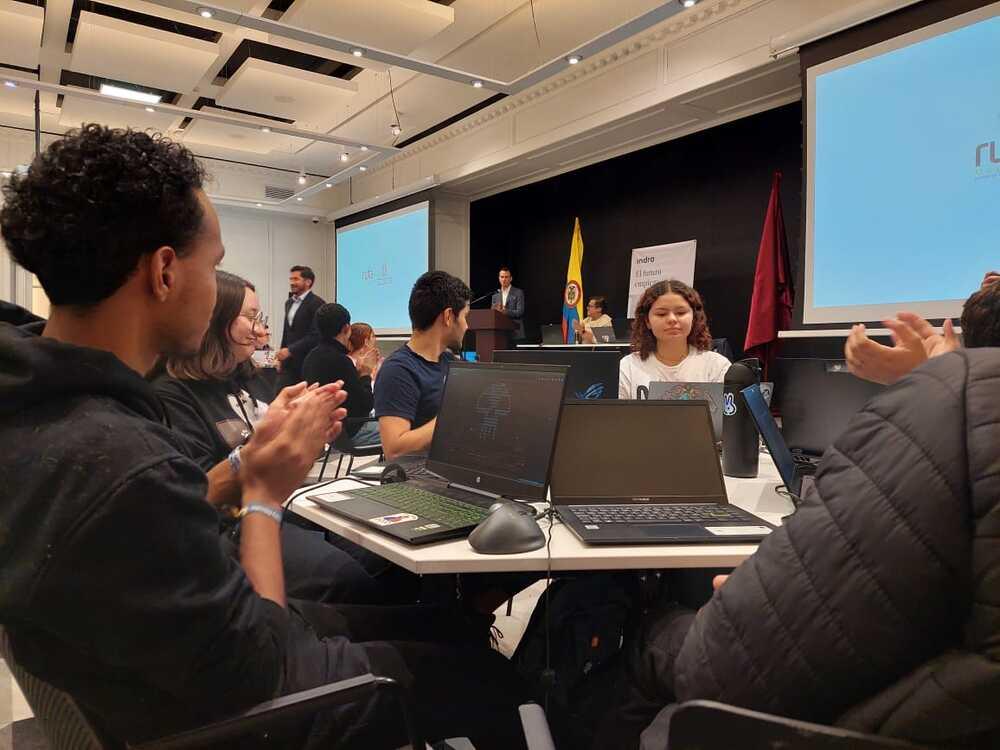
[
  {"x": 497, "y": 427},
  {"x": 656, "y": 449},
  {"x": 816, "y": 398},
  {"x": 775, "y": 443},
  {"x": 592, "y": 374}
]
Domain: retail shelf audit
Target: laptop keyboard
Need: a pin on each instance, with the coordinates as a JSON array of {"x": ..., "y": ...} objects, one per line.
[
  {"x": 672, "y": 513},
  {"x": 409, "y": 499}
]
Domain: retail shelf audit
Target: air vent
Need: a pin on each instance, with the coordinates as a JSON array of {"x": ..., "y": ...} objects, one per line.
[{"x": 277, "y": 193}]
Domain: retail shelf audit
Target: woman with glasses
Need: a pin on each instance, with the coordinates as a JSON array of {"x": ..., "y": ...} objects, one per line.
[{"x": 214, "y": 400}]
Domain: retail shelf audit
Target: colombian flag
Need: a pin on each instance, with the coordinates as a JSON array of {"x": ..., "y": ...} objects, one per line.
[{"x": 573, "y": 294}]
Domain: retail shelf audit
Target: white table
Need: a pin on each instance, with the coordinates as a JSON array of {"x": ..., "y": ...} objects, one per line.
[
  {"x": 608, "y": 345},
  {"x": 568, "y": 553}
]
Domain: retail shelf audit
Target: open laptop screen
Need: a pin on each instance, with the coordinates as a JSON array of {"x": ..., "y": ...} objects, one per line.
[
  {"x": 768, "y": 430},
  {"x": 663, "y": 450},
  {"x": 497, "y": 427},
  {"x": 591, "y": 374}
]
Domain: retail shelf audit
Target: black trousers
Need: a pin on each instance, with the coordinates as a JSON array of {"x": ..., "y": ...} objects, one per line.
[{"x": 460, "y": 686}]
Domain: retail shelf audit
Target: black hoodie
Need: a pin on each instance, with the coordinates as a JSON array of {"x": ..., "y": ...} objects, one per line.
[{"x": 114, "y": 584}]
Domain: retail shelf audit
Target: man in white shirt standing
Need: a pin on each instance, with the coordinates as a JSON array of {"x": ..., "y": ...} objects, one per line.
[
  {"x": 300, "y": 335},
  {"x": 509, "y": 299}
]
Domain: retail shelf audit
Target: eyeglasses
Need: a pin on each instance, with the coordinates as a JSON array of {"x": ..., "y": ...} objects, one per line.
[{"x": 258, "y": 321}]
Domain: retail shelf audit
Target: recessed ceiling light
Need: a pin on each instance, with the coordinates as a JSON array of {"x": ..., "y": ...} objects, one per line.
[
  {"x": 477, "y": 84},
  {"x": 265, "y": 129},
  {"x": 573, "y": 59},
  {"x": 260, "y": 205},
  {"x": 688, "y": 3},
  {"x": 302, "y": 177},
  {"x": 344, "y": 157},
  {"x": 150, "y": 109},
  {"x": 299, "y": 200},
  {"x": 364, "y": 148},
  {"x": 363, "y": 168},
  {"x": 358, "y": 52},
  {"x": 132, "y": 95},
  {"x": 10, "y": 84},
  {"x": 328, "y": 185},
  {"x": 204, "y": 12}
]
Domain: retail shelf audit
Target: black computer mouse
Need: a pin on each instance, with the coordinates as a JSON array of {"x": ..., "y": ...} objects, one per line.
[
  {"x": 525, "y": 509},
  {"x": 393, "y": 473},
  {"x": 506, "y": 531}
]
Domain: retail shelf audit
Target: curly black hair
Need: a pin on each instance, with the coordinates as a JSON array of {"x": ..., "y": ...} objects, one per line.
[
  {"x": 432, "y": 294},
  {"x": 981, "y": 318},
  {"x": 93, "y": 203}
]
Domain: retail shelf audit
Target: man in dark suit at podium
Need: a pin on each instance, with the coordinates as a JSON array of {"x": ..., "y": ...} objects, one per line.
[
  {"x": 509, "y": 300},
  {"x": 300, "y": 335}
]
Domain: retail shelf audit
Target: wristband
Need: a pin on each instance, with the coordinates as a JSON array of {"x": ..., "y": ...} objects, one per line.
[
  {"x": 234, "y": 459},
  {"x": 273, "y": 513}
]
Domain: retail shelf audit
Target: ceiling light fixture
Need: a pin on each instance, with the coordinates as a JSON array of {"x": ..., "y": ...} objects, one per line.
[
  {"x": 358, "y": 52},
  {"x": 363, "y": 168},
  {"x": 573, "y": 59},
  {"x": 302, "y": 177},
  {"x": 260, "y": 205},
  {"x": 132, "y": 95},
  {"x": 477, "y": 84},
  {"x": 688, "y": 3},
  {"x": 344, "y": 156},
  {"x": 364, "y": 148},
  {"x": 265, "y": 129},
  {"x": 396, "y": 130},
  {"x": 10, "y": 84},
  {"x": 150, "y": 109},
  {"x": 328, "y": 185},
  {"x": 299, "y": 200},
  {"x": 204, "y": 12}
]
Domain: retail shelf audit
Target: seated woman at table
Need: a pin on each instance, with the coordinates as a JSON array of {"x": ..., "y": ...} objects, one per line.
[
  {"x": 363, "y": 347},
  {"x": 670, "y": 341},
  {"x": 212, "y": 399},
  {"x": 597, "y": 317}
]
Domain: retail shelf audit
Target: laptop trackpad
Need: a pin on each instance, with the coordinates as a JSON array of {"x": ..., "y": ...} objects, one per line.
[{"x": 670, "y": 530}]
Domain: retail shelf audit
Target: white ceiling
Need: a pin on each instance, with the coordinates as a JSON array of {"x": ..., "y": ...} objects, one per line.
[{"x": 493, "y": 38}]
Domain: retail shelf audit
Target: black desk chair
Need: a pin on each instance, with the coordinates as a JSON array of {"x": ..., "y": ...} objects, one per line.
[
  {"x": 707, "y": 725},
  {"x": 345, "y": 447},
  {"x": 67, "y": 728}
]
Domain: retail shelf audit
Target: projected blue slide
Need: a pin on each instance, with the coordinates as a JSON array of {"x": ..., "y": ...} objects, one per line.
[
  {"x": 906, "y": 172},
  {"x": 377, "y": 262}
]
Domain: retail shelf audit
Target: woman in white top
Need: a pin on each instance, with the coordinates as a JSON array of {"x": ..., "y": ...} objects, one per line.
[
  {"x": 670, "y": 341},
  {"x": 597, "y": 317}
]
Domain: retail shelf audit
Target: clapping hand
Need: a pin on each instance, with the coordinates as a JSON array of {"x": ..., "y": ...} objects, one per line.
[{"x": 914, "y": 342}]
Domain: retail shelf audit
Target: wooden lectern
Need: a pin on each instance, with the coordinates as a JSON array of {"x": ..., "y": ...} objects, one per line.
[{"x": 493, "y": 331}]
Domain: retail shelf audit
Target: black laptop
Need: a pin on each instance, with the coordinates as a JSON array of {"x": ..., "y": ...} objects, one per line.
[
  {"x": 552, "y": 333},
  {"x": 592, "y": 374},
  {"x": 789, "y": 468},
  {"x": 494, "y": 438},
  {"x": 644, "y": 472}
]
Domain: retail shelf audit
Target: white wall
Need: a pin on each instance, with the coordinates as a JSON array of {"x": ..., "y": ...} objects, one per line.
[{"x": 261, "y": 247}]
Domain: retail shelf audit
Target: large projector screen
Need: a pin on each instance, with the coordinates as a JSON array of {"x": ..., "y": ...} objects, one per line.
[
  {"x": 377, "y": 262},
  {"x": 903, "y": 173}
]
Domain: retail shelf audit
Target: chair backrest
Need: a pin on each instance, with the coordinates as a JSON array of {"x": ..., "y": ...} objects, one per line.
[
  {"x": 707, "y": 725},
  {"x": 64, "y": 724}
]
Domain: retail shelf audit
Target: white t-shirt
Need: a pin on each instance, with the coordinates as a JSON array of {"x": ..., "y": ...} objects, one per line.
[{"x": 696, "y": 367}]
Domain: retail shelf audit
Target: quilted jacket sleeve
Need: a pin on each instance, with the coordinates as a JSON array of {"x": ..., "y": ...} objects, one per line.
[{"x": 867, "y": 580}]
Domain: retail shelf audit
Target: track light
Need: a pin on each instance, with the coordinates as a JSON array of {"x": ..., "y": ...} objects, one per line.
[
  {"x": 396, "y": 130},
  {"x": 573, "y": 59},
  {"x": 302, "y": 176},
  {"x": 477, "y": 84},
  {"x": 204, "y": 12},
  {"x": 344, "y": 156},
  {"x": 358, "y": 52},
  {"x": 688, "y": 3},
  {"x": 363, "y": 168}
]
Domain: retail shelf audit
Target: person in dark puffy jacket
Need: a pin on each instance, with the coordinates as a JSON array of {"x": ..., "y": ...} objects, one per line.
[{"x": 875, "y": 606}]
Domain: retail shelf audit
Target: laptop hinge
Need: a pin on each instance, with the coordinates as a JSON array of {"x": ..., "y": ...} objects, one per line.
[{"x": 481, "y": 493}]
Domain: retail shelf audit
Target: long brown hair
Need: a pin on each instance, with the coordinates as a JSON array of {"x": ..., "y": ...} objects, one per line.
[
  {"x": 643, "y": 340},
  {"x": 215, "y": 360},
  {"x": 360, "y": 333}
]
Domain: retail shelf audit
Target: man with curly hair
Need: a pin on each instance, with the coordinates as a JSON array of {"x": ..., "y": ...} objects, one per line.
[{"x": 115, "y": 584}]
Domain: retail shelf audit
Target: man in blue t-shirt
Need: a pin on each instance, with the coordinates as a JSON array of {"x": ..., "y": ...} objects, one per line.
[{"x": 411, "y": 380}]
